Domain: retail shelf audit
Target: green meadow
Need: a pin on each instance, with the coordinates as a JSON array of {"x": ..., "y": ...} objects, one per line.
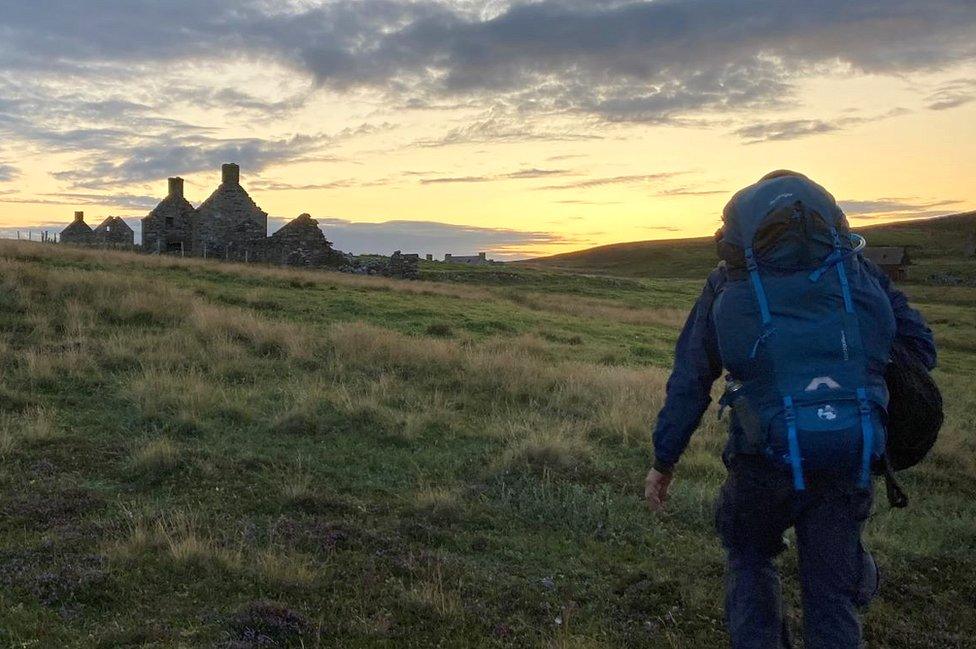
[{"x": 198, "y": 454}]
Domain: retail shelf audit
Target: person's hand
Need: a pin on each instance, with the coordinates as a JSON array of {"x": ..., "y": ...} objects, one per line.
[{"x": 656, "y": 489}]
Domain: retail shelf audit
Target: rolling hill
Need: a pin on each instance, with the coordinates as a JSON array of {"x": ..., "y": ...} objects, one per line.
[{"x": 937, "y": 246}]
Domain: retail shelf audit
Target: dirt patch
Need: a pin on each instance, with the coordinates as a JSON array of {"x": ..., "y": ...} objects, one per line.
[
  {"x": 58, "y": 580},
  {"x": 263, "y": 624},
  {"x": 46, "y": 508}
]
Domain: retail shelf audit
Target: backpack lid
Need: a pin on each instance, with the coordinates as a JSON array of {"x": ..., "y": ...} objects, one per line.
[{"x": 748, "y": 210}]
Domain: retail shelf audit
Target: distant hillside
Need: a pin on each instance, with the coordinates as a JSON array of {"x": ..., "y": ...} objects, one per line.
[{"x": 937, "y": 245}]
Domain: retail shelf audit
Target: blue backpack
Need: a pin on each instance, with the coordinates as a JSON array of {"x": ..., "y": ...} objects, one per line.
[{"x": 804, "y": 330}]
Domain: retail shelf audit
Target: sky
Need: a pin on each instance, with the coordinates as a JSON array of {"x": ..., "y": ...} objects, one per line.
[{"x": 517, "y": 128}]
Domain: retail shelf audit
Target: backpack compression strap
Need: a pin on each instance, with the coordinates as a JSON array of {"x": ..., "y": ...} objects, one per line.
[
  {"x": 795, "y": 463},
  {"x": 864, "y": 406},
  {"x": 794, "y": 443}
]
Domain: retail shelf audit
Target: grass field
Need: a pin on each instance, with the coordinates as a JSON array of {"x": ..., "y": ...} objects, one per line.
[{"x": 198, "y": 454}]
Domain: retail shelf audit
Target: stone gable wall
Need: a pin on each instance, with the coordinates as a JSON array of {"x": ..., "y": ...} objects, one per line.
[{"x": 115, "y": 233}]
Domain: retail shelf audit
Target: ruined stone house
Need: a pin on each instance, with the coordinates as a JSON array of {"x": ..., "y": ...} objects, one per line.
[
  {"x": 169, "y": 227},
  {"x": 78, "y": 233},
  {"x": 114, "y": 232},
  {"x": 229, "y": 223}
]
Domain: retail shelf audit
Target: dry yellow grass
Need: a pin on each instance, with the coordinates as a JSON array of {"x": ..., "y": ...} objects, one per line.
[
  {"x": 296, "y": 484},
  {"x": 262, "y": 335},
  {"x": 434, "y": 592},
  {"x": 155, "y": 456},
  {"x": 8, "y": 436},
  {"x": 187, "y": 395},
  {"x": 175, "y": 535},
  {"x": 545, "y": 445},
  {"x": 38, "y": 425},
  {"x": 437, "y": 502},
  {"x": 35, "y": 425}
]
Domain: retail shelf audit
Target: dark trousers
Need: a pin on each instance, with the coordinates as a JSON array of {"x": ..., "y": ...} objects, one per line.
[{"x": 756, "y": 506}]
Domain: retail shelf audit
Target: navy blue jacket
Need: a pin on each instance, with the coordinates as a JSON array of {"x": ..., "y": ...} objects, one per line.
[{"x": 697, "y": 363}]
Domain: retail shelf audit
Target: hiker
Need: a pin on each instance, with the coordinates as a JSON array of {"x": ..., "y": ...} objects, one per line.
[{"x": 803, "y": 326}]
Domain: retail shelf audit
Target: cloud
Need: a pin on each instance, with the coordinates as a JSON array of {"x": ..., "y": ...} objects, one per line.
[
  {"x": 153, "y": 160},
  {"x": 619, "y": 60},
  {"x": 504, "y": 128},
  {"x": 8, "y": 172},
  {"x": 536, "y": 173},
  {"x": 97, "y": 78},
  {"x": 522, "y": 174},
  {"x": 691, "y": 191},
  {"x": 455, "y": 179},
  {"x": 786, "y": 129},
  {"x": 896, "y": 207},
  {"x": 638, "y": 61},
  {"x": 126, "y": 141},
  {"x": 793, "y": 129},
  {"x": 124, "y": 201},
  {"x": 432, "y": 237},
  {"x": 952, "y": 94},
  {"x": 638, "y": 179},
  {"x": 341, "y": 183}
]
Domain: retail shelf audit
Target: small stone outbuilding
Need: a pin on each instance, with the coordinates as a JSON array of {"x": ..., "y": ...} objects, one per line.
[
  {"x": 114, "y": 232},
  {"x": 893, "y": 260},
  {"x": 300, "y": 242},
  {"x": 404, "y": 266},
  {"x": 78, "y": 233},
  {"x": 473, "y": 260}
]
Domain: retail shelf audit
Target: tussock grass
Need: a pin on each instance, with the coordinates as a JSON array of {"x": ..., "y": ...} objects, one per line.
[
  {"x": 186, "y": 398},
  {"x": 38, "y": 425},
  {"x": 548, "y": 446},
  {"x": 296, "y": 485},
  {"x": 175, "y": 536},
  {"x": 8, "y": 438},
  {"x": 262, "y": 336},
  {"x": 281, "y": 567},
  {"x": 436, "y": 593},
  {"x": 438, "y": 503},
  {"x": 181, "y": 540},
  {"x": 155, "y": 457}
]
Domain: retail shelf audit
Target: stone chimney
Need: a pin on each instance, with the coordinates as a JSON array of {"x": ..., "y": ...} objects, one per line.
[
  {"x": 230, "y": 174},
  {"x": 429, "y": 257},
  {"x": 482, "y": 255},
  {"x": 176, "y": 187},
  {"x": 448, "y": 256},
  {"x": 79, "y": 216}
]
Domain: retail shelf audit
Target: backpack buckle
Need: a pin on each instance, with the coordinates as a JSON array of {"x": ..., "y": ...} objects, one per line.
[{"x": 863, "y": 404}]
